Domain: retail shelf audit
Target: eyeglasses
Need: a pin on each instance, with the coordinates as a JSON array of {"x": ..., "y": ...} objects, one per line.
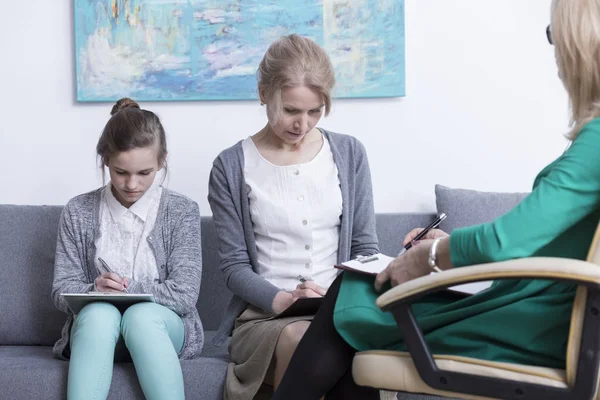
[{"x": 549, "y": 34}]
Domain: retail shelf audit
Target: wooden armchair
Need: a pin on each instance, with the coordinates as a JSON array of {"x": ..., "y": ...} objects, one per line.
[{"x": 419, "y": 371}]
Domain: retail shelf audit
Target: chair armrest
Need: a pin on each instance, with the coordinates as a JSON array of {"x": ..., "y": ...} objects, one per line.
[
  {"x": 552, "y": 268},
  {"x": 398, "y": 301}
]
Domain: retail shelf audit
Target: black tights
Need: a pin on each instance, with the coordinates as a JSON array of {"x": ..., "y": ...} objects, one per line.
[{"x": 322, "y": 362}]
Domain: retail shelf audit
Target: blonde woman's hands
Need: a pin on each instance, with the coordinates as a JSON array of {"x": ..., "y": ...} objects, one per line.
[
  {"x": 308, "y": 289},
  {"x": 282, "y": 300}
]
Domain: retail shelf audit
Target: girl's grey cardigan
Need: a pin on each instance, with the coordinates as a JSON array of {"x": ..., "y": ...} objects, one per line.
[{"x": 175, "y": 241}]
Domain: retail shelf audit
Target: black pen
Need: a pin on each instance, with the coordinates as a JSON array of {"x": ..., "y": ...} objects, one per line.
[{"x": 424, "y": 232}]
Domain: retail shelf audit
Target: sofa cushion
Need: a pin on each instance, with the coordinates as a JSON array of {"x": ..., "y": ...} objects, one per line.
[
  {"x": 214, "y": 295},
  {"x": 27, "y": 246},
  {"x": 211, "y": 350},
  {"x": 391, "y": 229},
  {"x": 30, "y": 372},
  {"x": 470, "y": 207}
]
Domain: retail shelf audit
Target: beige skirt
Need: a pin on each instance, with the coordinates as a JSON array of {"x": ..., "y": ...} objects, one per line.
[{"x": 252, "y": 346}]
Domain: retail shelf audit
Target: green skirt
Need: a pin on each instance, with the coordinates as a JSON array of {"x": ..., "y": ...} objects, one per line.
[{"x": 516, "y": 321}]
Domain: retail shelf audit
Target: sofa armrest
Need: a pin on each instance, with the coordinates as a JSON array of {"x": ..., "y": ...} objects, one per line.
[{"x": 551, "y": 268}]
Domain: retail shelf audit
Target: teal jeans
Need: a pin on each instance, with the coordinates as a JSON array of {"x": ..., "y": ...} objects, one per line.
[{"x": 100, "y": 335}]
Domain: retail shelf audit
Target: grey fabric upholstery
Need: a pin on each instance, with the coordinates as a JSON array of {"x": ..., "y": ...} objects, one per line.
[
  {"x": 29, "y": 323},
  {"x": 214, "y": 295},
  {"x": 391, "y": 229},
  {"x": 470, "y": 207},
  {"x": 27, "y": 244},
  {"x": 30, "y": 372}
]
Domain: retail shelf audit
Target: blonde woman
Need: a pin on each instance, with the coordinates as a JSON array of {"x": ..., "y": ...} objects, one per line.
[
  {"x": 519, "y": 321},
  {"x": 288, "y": 203}
]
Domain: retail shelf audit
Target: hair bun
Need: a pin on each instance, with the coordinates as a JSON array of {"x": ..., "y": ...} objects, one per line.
[{"x": 122, "y": 104}]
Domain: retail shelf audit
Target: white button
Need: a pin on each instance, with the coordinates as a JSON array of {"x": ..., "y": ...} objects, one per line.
[
  {"x": 300, "y": 198},
  {"x": 296, "y": 172},
  {"x": 307, "y": 247},
  {"x": 307, "y": 266},
  {"x": 304, "y": 222}
]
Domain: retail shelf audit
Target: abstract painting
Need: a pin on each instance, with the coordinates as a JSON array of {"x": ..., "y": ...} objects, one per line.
[{"x": 167, "y": 50}]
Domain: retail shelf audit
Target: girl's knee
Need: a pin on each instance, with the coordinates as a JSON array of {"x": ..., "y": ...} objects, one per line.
[
  {"x": 140, "y": 310},
  {"x": 100, "y": 310},
  {"x": 142, "y": 318},
  {"x": 98, "y": 319}
]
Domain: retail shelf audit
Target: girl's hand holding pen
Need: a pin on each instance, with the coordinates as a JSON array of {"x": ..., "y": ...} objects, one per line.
[
  {"x": 111, "y": 282},
  {"x": 108, "y": 281}
]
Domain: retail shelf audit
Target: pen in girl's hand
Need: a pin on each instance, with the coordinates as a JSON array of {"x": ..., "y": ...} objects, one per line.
[
  {"x": 424, "y": 232},
  {"x": 107, "y": 269}
]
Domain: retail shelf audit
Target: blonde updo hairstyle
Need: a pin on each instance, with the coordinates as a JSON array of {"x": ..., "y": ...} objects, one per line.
[
  {"x": 575, "y": 30},
  {"x": 131, "y": 127},
  {"x": 294, "y": 61}
]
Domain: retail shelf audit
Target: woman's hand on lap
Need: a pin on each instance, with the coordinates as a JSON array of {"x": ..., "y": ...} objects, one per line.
[
  {"x": 308, "y": 289},
  {"x": 282, "y": 301}
]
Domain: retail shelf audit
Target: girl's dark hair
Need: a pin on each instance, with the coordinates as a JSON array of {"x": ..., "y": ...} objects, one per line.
[{"x": 129, "y": 128}]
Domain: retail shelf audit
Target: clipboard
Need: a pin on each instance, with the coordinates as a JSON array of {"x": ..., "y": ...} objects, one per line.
[
  {"x": 369, "y": 265},
  {"x": 372, "y": 265},
  {"x": 76, "y": 301},
  {"x": 301, "y": 307}
]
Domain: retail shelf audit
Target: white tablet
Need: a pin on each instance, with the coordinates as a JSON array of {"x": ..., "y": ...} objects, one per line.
[{"x": 77, "y": 301}]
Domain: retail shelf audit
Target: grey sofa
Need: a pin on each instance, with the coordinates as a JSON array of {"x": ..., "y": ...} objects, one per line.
[{"x": 29, "y": 323}]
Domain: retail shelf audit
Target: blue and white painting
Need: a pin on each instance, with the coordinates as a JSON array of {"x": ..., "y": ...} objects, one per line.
[{"x": 210, "y": 49}]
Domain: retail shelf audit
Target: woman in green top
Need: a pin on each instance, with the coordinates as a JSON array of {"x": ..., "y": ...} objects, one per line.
[{"x": 516, "y": 321}]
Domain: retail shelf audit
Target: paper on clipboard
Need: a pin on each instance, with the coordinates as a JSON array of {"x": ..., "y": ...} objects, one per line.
[{"x": 376, "y": 263}]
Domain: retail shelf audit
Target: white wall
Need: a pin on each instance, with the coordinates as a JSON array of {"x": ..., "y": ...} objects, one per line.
[{"x": 484, "y": 109}]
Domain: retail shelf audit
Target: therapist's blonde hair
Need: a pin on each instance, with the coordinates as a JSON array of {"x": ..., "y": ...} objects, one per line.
[
  {"x": 292, "y": 61},
  {"x": 575, "y": 30}
]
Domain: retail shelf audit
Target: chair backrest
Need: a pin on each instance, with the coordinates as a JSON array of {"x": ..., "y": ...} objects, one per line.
[{"x": 578, "y": 314}]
